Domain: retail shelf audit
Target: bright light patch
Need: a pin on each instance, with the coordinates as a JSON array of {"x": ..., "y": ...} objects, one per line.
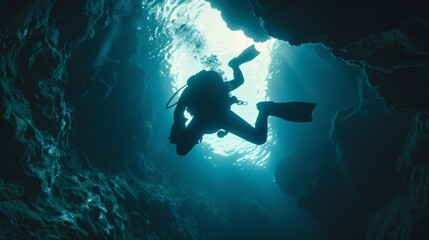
[{"x": 199, "y": 32}]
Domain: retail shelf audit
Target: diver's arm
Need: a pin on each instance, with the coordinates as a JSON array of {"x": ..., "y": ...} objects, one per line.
[
  {"x": 179, "y": 118},
  {"x": 179, "y": 112},
  {"x": 237, "y": 81}
]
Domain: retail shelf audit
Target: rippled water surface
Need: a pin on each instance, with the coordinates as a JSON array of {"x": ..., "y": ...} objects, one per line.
[{"x": 192, "y": 36}]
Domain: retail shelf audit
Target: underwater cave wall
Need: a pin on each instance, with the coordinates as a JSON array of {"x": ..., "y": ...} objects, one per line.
[
  {"x": 376, "y": 186},
  {"x": 73, "y": 93},
  {"x": 75, "y": 152}
]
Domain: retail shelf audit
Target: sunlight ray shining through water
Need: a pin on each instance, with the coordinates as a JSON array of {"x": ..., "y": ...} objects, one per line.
[{"x": 200, "y": 40}]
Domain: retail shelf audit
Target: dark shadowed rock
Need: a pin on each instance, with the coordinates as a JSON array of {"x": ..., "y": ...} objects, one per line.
[{"x": 239, "y": 15}]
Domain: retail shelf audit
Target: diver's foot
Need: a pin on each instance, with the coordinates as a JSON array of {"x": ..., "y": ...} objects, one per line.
[
  {"x": 233, "y": 63},
  {"x": 247, "y": 55}
]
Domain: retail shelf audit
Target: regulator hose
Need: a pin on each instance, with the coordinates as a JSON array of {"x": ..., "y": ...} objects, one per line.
[{"x": 169, "y": 101}]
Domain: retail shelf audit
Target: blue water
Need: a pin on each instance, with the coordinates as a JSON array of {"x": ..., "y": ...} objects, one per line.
[
  {"x": 241, "y": 178},
  {"x": 88, "y": 110}
]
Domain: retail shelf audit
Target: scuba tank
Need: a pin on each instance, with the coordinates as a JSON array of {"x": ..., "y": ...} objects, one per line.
[{"x": 209, "y": 96}]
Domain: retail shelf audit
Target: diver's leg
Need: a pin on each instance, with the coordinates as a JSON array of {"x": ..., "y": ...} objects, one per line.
[
  {"x": 189, "y": 138},
  {"x": 289, "y": 111},
  {"x": 238, "y": 75},
  {"x": 236, "y": 125},
  {"x": 238, "y": 79}
]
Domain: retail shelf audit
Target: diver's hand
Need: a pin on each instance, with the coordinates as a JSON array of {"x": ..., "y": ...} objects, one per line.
[{"x": 177, "y": 130}]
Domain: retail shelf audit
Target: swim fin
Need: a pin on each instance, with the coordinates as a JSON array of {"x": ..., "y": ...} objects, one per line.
[
  {"x": 289, "y": 111},
  {"x": 247, "y": 55}
]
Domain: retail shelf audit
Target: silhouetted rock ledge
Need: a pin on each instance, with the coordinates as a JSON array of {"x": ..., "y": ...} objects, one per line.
[{"x": 377, "y": 186}]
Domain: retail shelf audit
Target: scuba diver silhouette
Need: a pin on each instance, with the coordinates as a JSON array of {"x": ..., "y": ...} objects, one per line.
[{"x": 207, "y": 98}]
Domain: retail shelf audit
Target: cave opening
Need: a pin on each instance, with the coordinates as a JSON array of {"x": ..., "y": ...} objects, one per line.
[{"x": 200, "y": 39}]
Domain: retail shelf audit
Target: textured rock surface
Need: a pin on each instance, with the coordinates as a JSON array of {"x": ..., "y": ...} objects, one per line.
[
  {"x": 239, "y": 15},
  {"x": 390, "y": 48},
  {"x": 70, "y": 96},
  {"x": 377, "y": 186},
  {"x": 68, "y": 73},
  {"x": 387, "y": 39}
]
